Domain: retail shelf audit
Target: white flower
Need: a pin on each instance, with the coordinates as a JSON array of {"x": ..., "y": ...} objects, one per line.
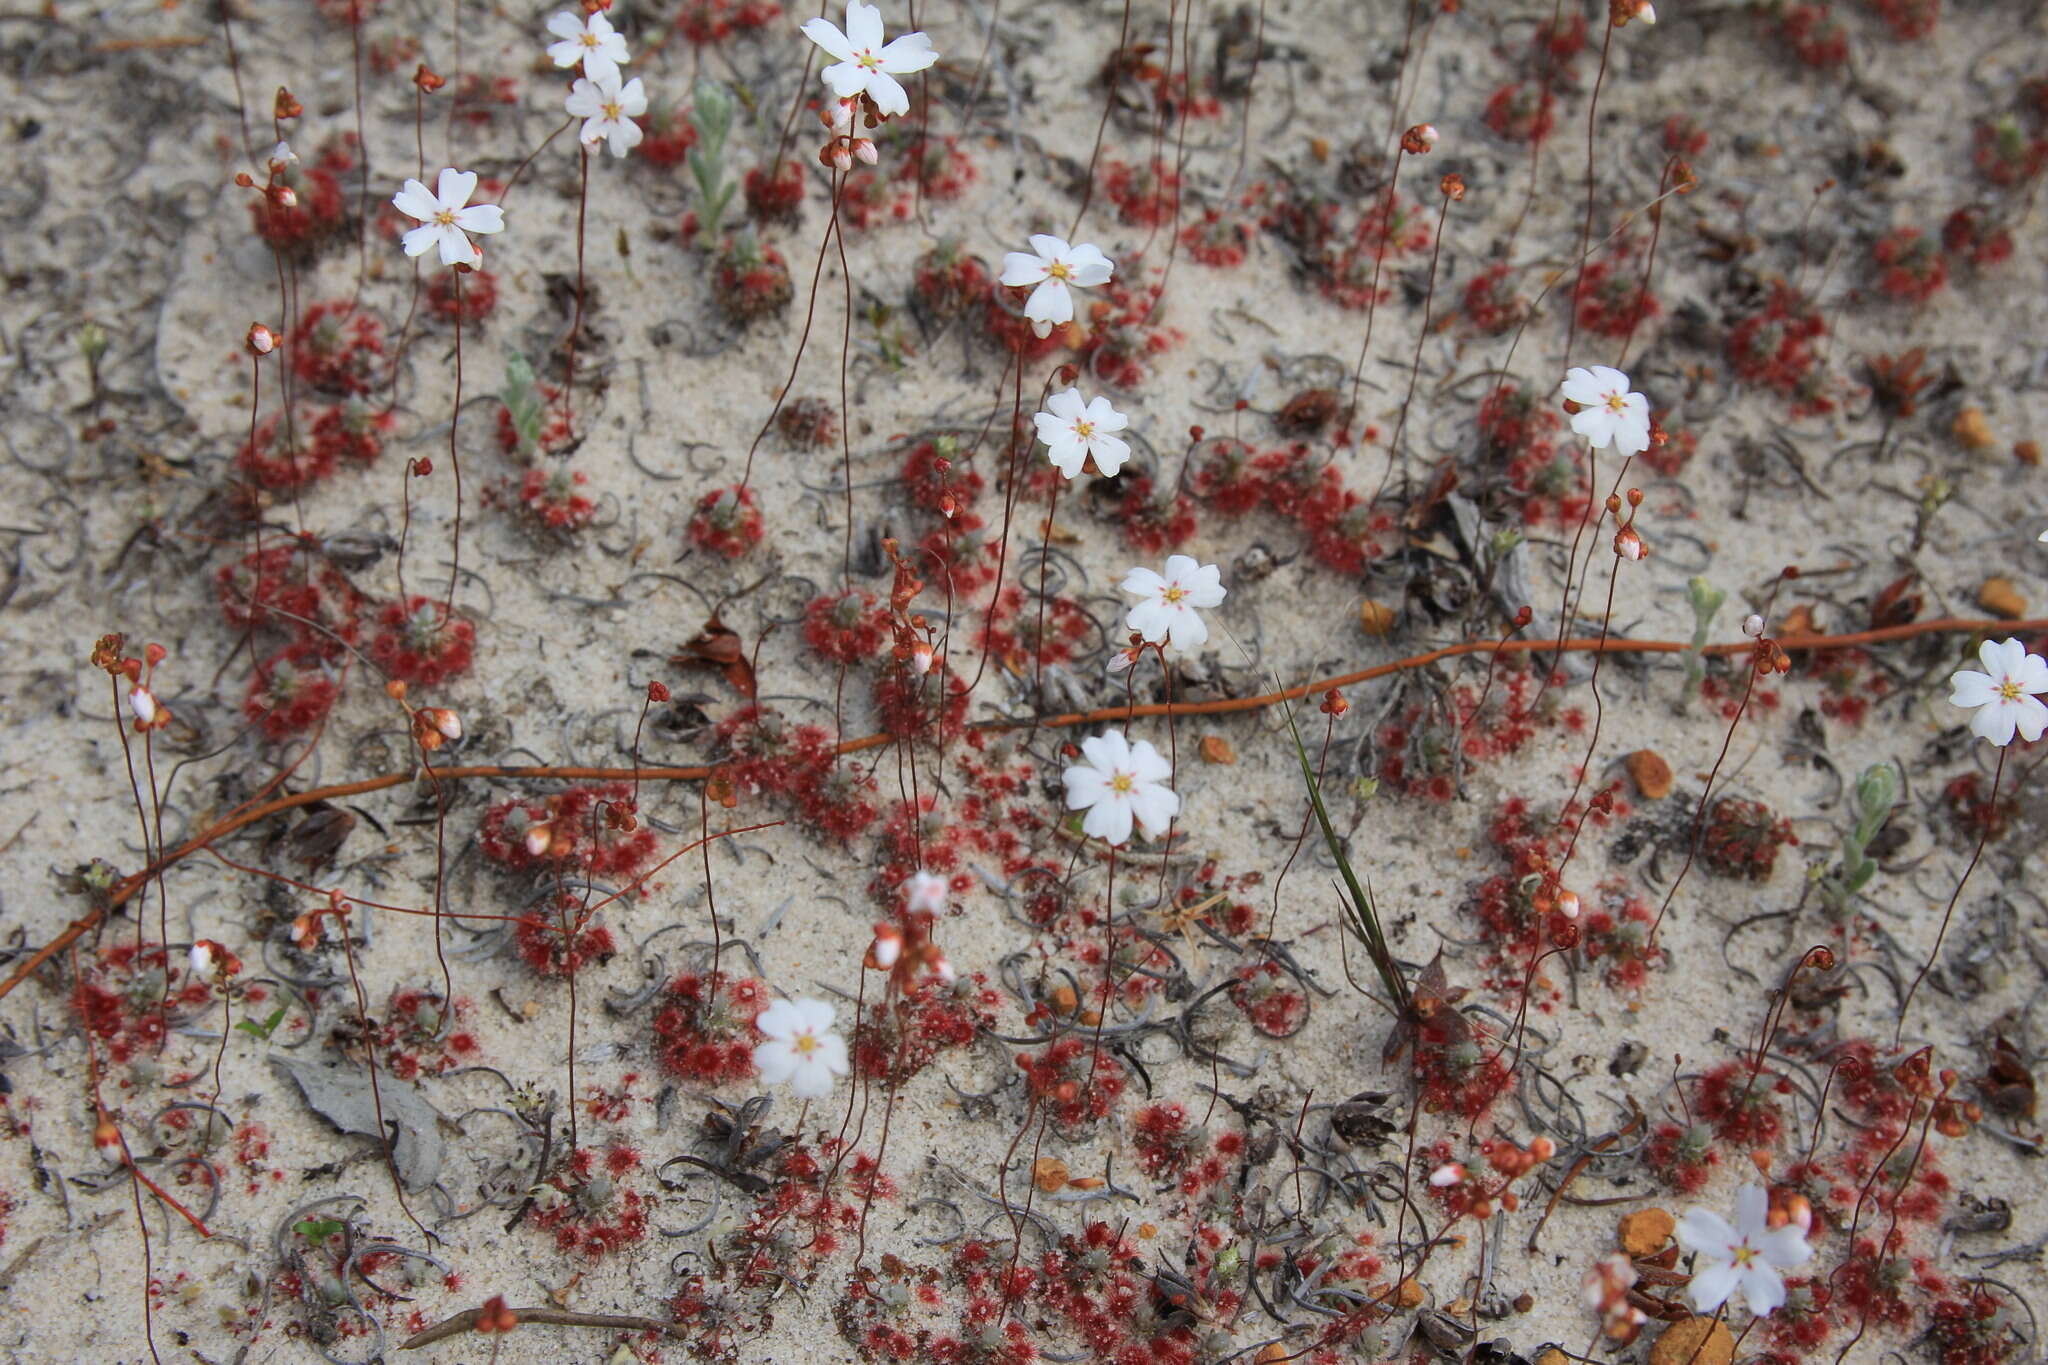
[
  {"x": 1167, "y": 611},
  {"x": 2003, "y": 693},
  {"x": 607, "y": 110},
  {"x": 800, "y": 1048},
  {"x": 865, "y": 65},
  {"x": 925, "y": 892},
  {"x": 1073, "y": 431},
  {"x": 444, "y": 220},
  {"x": 142, "y": 703},
  {"x": 589, "y": 40},
  {"x": 1053, "y": 266},
  {"x": 1119, "y": 782},
  {"x": 1609, "y": 414},
  {"x": 1125, "y": 659},
  {"x": 1750, "y": 1256},
  {"x": 282, "y": 157}
]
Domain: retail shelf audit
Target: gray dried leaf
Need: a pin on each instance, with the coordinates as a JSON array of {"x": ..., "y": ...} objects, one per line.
[{"x": 341, "y": 1095}]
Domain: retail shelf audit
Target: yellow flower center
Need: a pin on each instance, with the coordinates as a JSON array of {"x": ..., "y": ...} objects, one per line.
[
  {"x": 1744, "y": 1254},
  {"x": 613, "y": 112},
  {"x": 1122, "y": 783},
  {"x": 590, "y": 40},
  {"x": 1084, "y": 429},
  {"x": 1059, "y": 270},
  {"x": 1174, "y": 593},
  {"x": 445, "y": 218},
  {"x": 806, "y": 1043},
  {"x": 1614, "y": 402},
  {"x": 868, "y": 59},
  {"x": 2008, "y": 689}
]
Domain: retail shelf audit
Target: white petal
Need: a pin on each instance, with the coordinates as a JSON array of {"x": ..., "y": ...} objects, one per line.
[
  {"x": 831, "y": 1054},
  {"x": 420, "y": 240},
  {"x": 585, "y": 100},
  {"x": 1762, "y": 1289},
  {"x": 889, "y": 96},
  {"x": 863, "y": 24},
  {"x": 1147, "y": 764},
  {"x": 2001, "y": 657},
  {"x": 1706, "y": 1233},
  {"x": 1610, "y": 380},
  {"x": 814, "y": 1016},
  {"x": 1711, "y": 1286},
  {"x": 1785, "y": 1247},
  {"x": 456, "y": 249},
  {"x": 1154, "y": 806},
  {"x": 1110, "y": 454},
  {"x": 1067, "y": 453},
  {"x": 1049, "y": 247},
  {"x": 780, "y": 1020},
  {"x": 1968, "y": 687},
  {"x": 416, "y": 201},
  {"x": 633, "y": 98},
  {"x": 846, "y": 79},
  {"x": 1091, "y": 267},
  {"x": 1109, "y": 821},
  {"x": 1996, "y": 722},
  {"x": 910, "y": 53},
  {"x": 1151, "y": 619},
  {"x": 1105, "y": 417},
  {"x": 1086, "y": 787},
  {"x": 1596, "y": 425},
  {"x": 1580, "y": 387},
  {"x": 600, "y": 65},
  {"x": 455, "y": 187},
  {"x": 484, "y": 218},
  {"x": 1022, "y": 268},
  {"x": 826, "y": 34},
  {"x": 624, "y": 135},
  {"x": 812, "y": 1081},
  {"x": 1144, "y": 582},
  {"x": 2031, "y": 718},
  {"x": 1067, "y": 403},
  {"x": 775, "y": 1060},
  {"x": 566, "y": 25},
  {"x": 1109, "y": 751},
  {"x": 2032, "y": 675},
  {"x": 1190, "y": 631},
  {"x": 1050, "y": 302}
]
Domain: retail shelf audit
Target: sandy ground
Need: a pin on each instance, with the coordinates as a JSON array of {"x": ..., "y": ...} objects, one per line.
[{"x": 116, "y": 194}]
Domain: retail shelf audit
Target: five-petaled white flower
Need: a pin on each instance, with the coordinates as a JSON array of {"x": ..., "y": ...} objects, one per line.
[
  {"x": 800, "y": 1048},
  {"x": 1055, "y": 268},
  {"x": 447, "y": 218},
  {"x": 865, "y": 64},
  {"x": 1167, "y": 610},
  {"x": 1118, "y": 782},
  {"x": 924, "y": 891},
  {"x": 590, "y": 40},
  {"x": 1608, "y": 412},
  {"x": 607, "y": 110},
  {"x": 1751, "y": 1256},
  {"x": 2003, "y": 694},
  {"x": 1073, "y": 431}
]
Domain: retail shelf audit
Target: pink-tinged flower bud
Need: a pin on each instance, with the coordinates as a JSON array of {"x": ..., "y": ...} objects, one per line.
[
  {"x": 921, "y": 659},
  {"x": 286, "y": 197},
  {"x": 1629, "y": 545},
  {"x": 261, "y": 340},
  {"x": 864, "y": 151},
  {"x": 445, "y": 722},
  {"x": 143, "y": 705},
  {"x": 1446, "y": 1175},
  {"x": 887, "y": 947},
  {"x": 943, "y": 968},
  {"x": 537, "y": 841},
  {"x": 1753, "y": 625},
  {"x": 1568, "y": 905},
  {"x": 106, "y": 1138}
]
